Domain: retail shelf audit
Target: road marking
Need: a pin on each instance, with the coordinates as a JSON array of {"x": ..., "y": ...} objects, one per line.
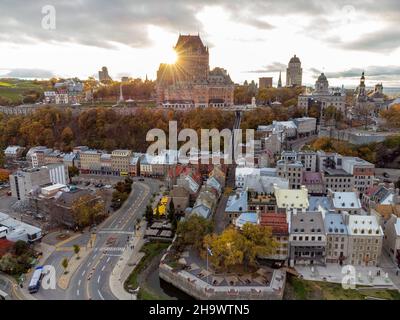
[
  {"x": 108, "y": 259},
  {"x": 83, "y": 273},
  {"x": 101, "y": 296},
  {"x": 115, "y": 232},
  {"x": 98, "y": 279},
  {"x": 113, "y": 255},
  {"x": 79, "y": 282},
  {"x": 67, "y": 240},
  {"x": 88, "y": 264},
  {"x": 102, "y": 269},
  {"x": 77, "y": 292},
  {"x": 94, "y": 257}
]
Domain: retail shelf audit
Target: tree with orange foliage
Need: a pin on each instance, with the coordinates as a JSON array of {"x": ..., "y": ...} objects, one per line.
[
  {"x": 392, "y": 116},
  {"x": 4, "y": 174}
]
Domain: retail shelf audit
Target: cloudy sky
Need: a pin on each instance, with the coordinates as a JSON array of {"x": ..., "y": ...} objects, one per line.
[{"x": 250, "y": 39}]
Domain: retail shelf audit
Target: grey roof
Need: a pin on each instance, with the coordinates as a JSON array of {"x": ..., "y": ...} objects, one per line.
[
  {"x": 322, "y": 204},
  {"x": 237, "y": 202},
  {"x": 201, "y": 210},
  {"x": 307, "y": 222},
  {"x": 334, "y": 224}
]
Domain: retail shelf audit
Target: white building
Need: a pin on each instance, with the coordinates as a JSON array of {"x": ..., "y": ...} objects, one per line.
[
  {"x": 23, "y": 182},
  {"x": 362, "y": 171},
  {"x": 391, "y": 241},
  {"x": 365, "y": 239},
  {"x": 58, "y": 173},
  {"x": 16, "y": 230},
  {"x": 345, "y": 202}
]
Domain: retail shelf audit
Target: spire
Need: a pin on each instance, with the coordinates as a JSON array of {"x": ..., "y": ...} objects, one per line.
[
  {"x": 280, "y": 80},
  {"x": 121, "y": 96}
]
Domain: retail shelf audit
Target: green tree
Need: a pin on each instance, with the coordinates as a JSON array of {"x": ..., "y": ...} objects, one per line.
[
  {"x": 20, "y": 247},
  {"x": 258, "y": 242},
  {"x": 2, "y": 157},
  {"x": 73, "y": 171},
  {"x": 77, "y": 249},
  {"x": 149, "y": 214},
  {"x": 64, "y": 264},
  {"x": 192, "y": 231}
]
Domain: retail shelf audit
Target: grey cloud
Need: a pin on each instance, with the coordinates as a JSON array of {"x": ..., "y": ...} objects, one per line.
[
  {"x": 28, "y": 73},
  {"x": 384, "y": 40},
  {"x": 104, "y": 22},
  {"x": 372, "y": 72},
  {"x": 273, "y": 67}
]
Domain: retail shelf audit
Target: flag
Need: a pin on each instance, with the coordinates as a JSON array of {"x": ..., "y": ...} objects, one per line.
[{"x": 209, "y": 251}]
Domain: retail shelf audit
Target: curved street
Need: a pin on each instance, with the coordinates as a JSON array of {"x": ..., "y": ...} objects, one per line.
[{"x": 90, "y": 281}]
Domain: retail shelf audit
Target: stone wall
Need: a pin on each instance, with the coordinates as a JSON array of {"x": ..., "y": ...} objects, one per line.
[
  {"x": 200, "y": 290},
  {"x": 354, "y": 137}
]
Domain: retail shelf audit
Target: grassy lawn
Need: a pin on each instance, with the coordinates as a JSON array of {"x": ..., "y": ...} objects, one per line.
[
  {"x": 151, "y": 250},
  {"x": 14, "y": 89},
  {"x": 146, "y": 295},
  {"x": 299, "y": 289}
]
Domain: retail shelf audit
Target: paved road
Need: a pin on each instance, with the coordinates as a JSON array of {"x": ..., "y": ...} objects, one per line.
[
  {"x": 393, "y": 174},
  {"x": 91, "y": 279}
]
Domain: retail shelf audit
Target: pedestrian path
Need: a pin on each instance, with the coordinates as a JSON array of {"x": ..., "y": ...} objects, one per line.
[
  {"x": 129, "y": 258},
  {"x": 358, "y": 275}
]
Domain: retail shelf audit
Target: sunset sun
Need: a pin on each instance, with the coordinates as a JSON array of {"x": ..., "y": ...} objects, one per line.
[{"x": 170, "y": 56}]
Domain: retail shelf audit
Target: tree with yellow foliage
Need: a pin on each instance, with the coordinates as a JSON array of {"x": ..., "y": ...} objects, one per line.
[
  {"x": 88, "y": 210},
  {"x": 233, "y": 247}
]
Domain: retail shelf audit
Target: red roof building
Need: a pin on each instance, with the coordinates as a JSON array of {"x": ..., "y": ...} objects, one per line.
[{"x": 277, "y": 221}]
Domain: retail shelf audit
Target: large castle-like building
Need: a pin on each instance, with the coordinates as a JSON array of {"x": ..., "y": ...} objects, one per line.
[{"x": 189, "y": 83}]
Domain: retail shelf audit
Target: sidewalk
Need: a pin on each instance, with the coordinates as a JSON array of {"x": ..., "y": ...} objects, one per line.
[
  {"x": 364, "y": 276},
  {"x": 129, "y": 259}
]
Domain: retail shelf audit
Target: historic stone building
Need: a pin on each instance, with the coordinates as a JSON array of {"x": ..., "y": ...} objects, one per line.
[
  {"x": 323, "y": 96},
  {"x": 294, "y": 73},
  {"x": 190, "y": 83}
]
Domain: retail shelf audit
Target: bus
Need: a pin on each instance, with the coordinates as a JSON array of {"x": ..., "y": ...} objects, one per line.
[{"x": 34, "y": 285}]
